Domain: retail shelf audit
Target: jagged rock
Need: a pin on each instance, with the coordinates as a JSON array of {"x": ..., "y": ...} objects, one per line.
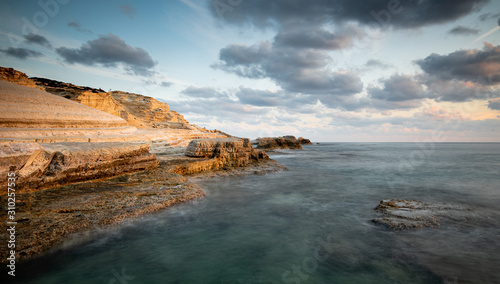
[
  {"x": 213, "y": 154},
  {"x": 285, "y": 142},
  {"x": 411, "y": 214},
  {"x": 304, "y": 141}
]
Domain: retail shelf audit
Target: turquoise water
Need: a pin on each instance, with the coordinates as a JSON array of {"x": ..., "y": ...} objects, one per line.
[{"x": 310, "y": 224}]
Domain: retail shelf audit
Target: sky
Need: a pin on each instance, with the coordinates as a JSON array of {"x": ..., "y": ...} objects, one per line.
[{"x": 328, "y": 70}]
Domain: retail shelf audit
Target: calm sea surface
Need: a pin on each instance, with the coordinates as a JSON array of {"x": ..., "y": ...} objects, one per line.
[{"x": 310, "y": 224}]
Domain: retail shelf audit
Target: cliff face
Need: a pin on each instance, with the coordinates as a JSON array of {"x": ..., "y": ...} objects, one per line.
[
  {"x": 213, "y": 154},
  {"x": 14, "y": 76},
  {"x": 285, "y": 142},
  {"x": 148, "y": 112},
  {"x": 28, "y": 114},
  {"x": 138, "y": 110},
  {"x": 305, "y": 141}
]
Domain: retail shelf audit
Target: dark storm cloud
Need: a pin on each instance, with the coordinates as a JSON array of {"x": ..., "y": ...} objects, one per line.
[
  {"x": 394, "y": 13},
  {"x": 77, "y": 26},
  {"x": 21, "y": 53},
  {"x": 37, "y": 39},
  {"x": 110, "y": 50},
  {"x": 128, "y": 10},
  {"x": 480, "y": 66},
  {"x": 461, "y": 30},
  {"x": 398, "y": 88}
]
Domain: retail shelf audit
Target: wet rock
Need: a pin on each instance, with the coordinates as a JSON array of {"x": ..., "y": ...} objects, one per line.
[{"x": 400, "y": 214}]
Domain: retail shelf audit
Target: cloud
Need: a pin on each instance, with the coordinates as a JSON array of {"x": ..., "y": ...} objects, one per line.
[
  {"x": 271, "y": 98},
  {"x": 166, "y": 84},
  {"x": 203, "y": 92},
  {"x": 128, "y": 10},
  {"x": 473, "y": 65},
  {"x": 110, "y": 51},
  {"x": 21, "y": 53},
  {"x": 375, "y": 63},
  {"x": 77, "y": 26},
  {"x": 399, "y": 88},
  {"x": 494, "y": 104},
  {"x": 486, "y": 16},
  {"x": 461, "y": 30},
  {"x": 295, "y": 70},
  {"x": 456, "y": 90},
  {"x": 317, "y": 37},
  {"x": 407, "y": 15},
  {"x": 37, "y": 39},
  {"x": 436, "y": 113}
]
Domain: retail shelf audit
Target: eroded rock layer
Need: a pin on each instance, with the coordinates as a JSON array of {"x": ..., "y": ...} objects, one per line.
[{"x": 42, "y": 166}]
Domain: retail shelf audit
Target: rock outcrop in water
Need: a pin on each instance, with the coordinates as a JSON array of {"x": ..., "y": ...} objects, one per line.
[
  {"x": 304, "y": 141},
  {"x": 212, "y": 154},
  {"x": 285, "y": 142},
  {"x": 411, "y": 214}
]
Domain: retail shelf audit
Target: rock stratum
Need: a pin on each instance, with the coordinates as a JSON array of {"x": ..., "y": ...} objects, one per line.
[
  {"x": 138, "y": 110},
  {"x": 284, "y": 142}
]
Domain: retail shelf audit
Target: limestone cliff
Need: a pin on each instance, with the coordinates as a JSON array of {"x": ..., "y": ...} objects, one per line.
[
  {"x": 29, "y": 115},
  {"x": 285, "y": 142},
  {"x": 138, "y": 110},
  {"x": 14, "y": 76}
]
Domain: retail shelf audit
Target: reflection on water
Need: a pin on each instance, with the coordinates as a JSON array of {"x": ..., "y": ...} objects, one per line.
[{"x": 310, "y": 224}]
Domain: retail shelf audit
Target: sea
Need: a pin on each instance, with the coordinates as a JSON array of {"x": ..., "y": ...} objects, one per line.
[{"x": 309, "y": 224}]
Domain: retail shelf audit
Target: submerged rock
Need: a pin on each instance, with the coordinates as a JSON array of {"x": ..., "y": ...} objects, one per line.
[
  {"x": 285, "y": 142},
  {"x": 400, "y": 214}
]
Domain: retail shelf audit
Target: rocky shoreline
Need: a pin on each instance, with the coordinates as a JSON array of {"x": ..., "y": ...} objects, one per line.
[
  {"x": 85, "y": 159},
  {"x": 47, "y": 218}
]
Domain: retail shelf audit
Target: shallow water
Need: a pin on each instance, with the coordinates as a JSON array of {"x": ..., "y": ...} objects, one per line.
[{"x": 310, "y": 224}]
